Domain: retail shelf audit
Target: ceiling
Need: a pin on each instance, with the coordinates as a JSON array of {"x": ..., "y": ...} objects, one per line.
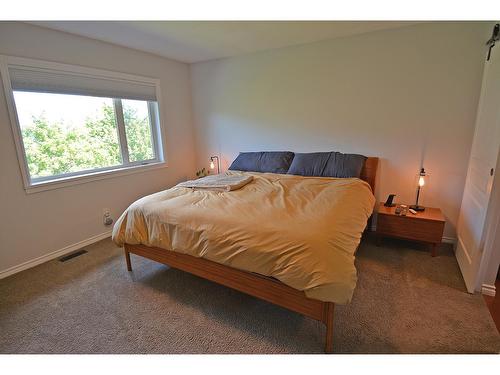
[{"x": 195, "y": 41}]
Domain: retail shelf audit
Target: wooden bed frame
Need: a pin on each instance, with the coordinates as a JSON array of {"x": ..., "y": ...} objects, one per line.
[{"x": 266, "y": 288}]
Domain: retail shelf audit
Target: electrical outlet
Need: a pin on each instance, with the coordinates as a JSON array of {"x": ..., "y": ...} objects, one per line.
[{"x": 106, "y": 217}]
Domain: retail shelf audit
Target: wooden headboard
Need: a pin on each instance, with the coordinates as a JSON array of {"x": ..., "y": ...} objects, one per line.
[{"x": 369, "y": 172}]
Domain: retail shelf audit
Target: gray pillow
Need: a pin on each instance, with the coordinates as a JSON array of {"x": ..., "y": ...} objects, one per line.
[
  {"x": 266, "y": 161},
  {"x": 344, "y": 165},
  {"x": 309, "y": 164}
]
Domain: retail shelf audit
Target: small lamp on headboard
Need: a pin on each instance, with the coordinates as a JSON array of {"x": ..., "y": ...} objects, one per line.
[
  {"x": 212, "y": 165},
  {"x": 421, "y": 183}
]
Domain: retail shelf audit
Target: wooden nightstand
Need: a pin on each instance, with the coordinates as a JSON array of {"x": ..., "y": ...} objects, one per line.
[{"x": 426, "y": 226}]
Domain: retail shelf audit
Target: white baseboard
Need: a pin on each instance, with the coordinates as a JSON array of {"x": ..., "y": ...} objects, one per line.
[
  {"x": 489, "y": 290},
  {"x": 53, "y": 255},
  {"x": 451, "y": 240}
]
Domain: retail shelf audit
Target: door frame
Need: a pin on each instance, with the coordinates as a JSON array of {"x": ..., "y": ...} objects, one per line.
[{"x": 492, "y": 226}]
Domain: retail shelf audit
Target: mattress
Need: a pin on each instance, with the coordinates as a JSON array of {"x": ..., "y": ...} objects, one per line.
[{"x": 303, "y": 231}]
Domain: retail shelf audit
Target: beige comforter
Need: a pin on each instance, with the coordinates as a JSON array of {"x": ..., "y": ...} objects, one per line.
[{"x": 303, "y": 231}]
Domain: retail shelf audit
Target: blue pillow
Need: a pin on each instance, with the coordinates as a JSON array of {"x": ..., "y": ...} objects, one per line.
[
  {"x": 309, "y": 164},
  {"x": 266, "y": 162},
  {"x": 344, "y": 165},
  {"x": 327, "y": 164}
]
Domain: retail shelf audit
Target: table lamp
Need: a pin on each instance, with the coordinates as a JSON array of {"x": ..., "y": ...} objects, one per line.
[
  {"x": 212, "y": 165},
  {"x": 421, "y": 183}
]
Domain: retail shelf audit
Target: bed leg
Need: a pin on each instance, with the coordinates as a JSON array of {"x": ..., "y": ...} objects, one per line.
[
  {"x": 328, "y": 320},
  {"x": 127, "y": 258}
]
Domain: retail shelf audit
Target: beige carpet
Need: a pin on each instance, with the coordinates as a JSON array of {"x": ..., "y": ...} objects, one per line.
[{"x": 405, "y": 302}]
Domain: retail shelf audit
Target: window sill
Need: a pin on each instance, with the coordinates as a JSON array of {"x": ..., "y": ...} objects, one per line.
[{"x": 92, "y": 176}]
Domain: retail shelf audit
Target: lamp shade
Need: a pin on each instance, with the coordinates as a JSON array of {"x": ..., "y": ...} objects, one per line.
[
  {"x": 422, "y": 177},
  {"x": 421, "y": 181}
]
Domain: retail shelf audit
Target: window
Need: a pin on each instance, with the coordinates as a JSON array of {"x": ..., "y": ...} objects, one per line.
[
  {"x": 71, "y": 124},
  {"x": 69, "y": 134}
]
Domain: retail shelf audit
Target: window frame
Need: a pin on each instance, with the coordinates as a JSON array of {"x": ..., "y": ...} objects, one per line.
[{"x": 68, "y": 179}]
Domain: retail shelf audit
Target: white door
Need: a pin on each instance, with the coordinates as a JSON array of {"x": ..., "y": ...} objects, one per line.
[{"x": 483, "y": 158}]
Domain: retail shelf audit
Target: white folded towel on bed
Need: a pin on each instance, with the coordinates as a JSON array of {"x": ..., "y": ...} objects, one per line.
[{"x": 218, "y": 182}]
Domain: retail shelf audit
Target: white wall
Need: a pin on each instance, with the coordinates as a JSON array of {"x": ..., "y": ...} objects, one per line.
[
  {"x": 36, "y": 224},
  {"x": 405, "y": 95}
]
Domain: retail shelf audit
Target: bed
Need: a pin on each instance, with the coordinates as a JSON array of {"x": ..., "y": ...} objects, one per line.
[{"x": 286, "y": 239}]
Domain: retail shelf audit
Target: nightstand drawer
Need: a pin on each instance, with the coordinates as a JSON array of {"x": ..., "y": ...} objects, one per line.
[{"x": 410, "y": 228}]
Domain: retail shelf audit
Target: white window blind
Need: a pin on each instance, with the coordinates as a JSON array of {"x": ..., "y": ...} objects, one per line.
[{"x": 33, "y": 79}]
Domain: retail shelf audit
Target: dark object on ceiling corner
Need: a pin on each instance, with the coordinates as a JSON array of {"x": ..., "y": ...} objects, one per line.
[{"x": 495, "y": 36}]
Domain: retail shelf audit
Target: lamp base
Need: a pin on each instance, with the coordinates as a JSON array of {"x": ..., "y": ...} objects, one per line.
[{"x": 417, "y": 208}]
